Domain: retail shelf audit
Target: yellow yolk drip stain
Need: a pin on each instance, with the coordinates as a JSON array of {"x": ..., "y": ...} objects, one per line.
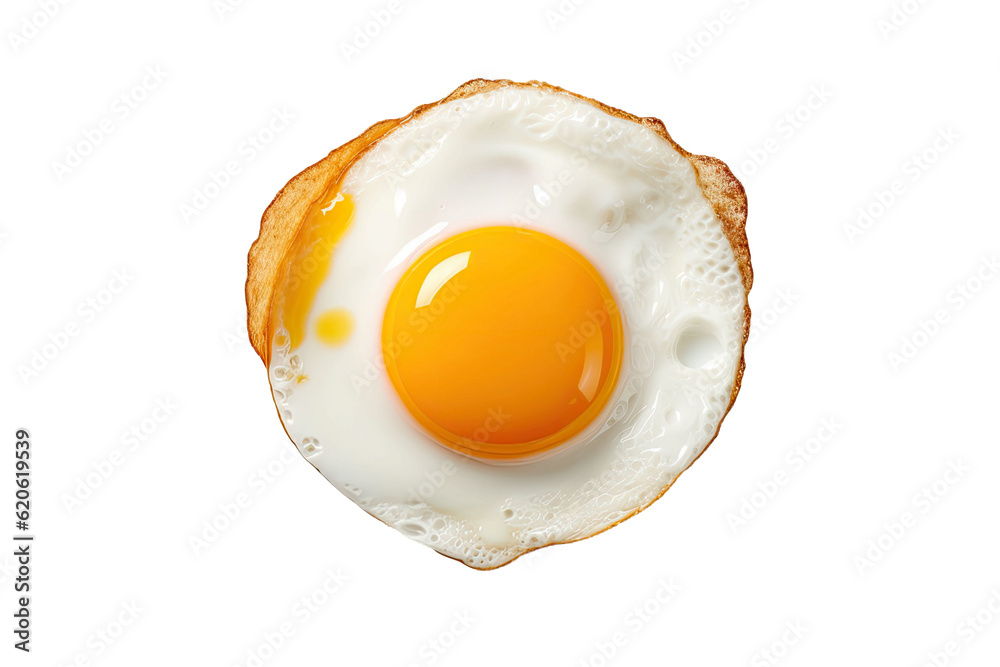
[
  {"x": 308, "y": 262},
  {"x": 334, "y": 326},
  {"x": 503, "y": 342}
]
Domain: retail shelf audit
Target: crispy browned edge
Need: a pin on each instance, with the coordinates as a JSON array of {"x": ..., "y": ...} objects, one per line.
[{"x": 284, "y": 215}]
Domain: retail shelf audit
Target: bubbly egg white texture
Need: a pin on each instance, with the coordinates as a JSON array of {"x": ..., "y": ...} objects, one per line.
[{"x": 620, "y": 195}]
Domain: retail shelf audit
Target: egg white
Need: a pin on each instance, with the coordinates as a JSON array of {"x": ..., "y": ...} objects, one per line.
[{"x": 610, "y": 188}]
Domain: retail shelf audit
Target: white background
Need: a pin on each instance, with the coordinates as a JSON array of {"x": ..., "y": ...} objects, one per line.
[{"x": 845, "y": 549}]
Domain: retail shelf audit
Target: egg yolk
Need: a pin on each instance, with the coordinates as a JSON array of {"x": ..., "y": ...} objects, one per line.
[
  {"x": 334, "y": 326},
  {"x": 502, "y": 342}
]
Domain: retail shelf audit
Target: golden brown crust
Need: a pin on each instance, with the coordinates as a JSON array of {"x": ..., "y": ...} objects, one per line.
[
  {"x": 282, "y": 219},
  {"x": 281, "y": 222}
]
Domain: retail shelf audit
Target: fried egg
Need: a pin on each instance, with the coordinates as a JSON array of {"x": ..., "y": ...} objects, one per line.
[{"x": 508, "y": 320}]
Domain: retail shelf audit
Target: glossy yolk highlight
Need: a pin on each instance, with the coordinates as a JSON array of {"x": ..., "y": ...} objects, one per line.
[{"x": 502, "y": 342}]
